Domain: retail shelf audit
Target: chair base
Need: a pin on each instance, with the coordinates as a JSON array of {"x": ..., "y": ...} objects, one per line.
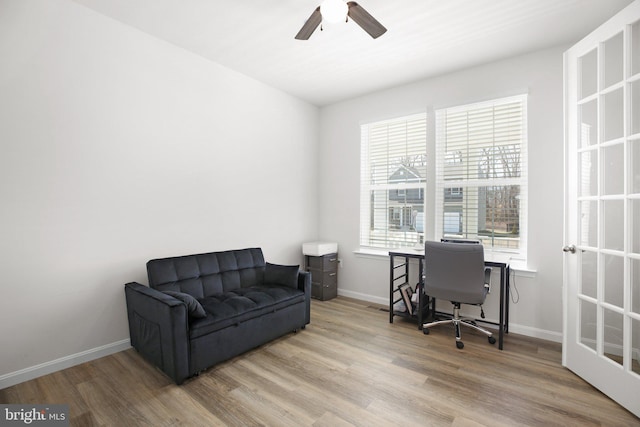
[{"x": 457, "y": 321}]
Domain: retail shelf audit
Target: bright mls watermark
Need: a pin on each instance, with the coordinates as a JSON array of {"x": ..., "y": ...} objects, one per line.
[{"x": 34, "y": 415}]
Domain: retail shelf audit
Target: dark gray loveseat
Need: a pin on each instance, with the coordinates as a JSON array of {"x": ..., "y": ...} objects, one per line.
[{"x": 202, "y": 309}]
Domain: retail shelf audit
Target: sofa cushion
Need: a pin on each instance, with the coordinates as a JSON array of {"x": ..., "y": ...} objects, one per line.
[
  {"x": 286, "y": 275},
  {"x": 239, "y": 305},
  {"x": 203, "y": 275},
  {"x": 193, "y": 306}
]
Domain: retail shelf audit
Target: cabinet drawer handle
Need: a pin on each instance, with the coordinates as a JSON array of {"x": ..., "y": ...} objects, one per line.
[
  {"x": 332, "y": 274},
  {"x": 333, "y": 259}
]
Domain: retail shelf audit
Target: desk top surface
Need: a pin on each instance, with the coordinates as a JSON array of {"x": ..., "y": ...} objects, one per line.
[{"x": 496, "y": 259}]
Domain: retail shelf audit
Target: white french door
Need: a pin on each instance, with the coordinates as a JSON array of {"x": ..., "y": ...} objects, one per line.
[{"x": 602, "y": 208}]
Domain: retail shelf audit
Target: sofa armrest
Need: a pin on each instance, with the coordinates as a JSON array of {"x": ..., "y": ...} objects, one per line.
[
  {"x": 304, "y": 284},
  {"x": 158, "y": 327}
]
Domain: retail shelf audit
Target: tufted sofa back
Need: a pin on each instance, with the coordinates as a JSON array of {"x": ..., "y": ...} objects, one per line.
[{"x": 208, "y": 274}]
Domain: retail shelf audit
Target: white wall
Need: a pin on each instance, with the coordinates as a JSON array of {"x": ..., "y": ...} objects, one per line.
[
  {"x": 539, "y": 309},
  {"x": 116, "y": 148}
]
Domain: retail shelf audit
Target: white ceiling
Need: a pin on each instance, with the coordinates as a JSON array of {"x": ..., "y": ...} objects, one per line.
[{"x": 424, "y": 38}]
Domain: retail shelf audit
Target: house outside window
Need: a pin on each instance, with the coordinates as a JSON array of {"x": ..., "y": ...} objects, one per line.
[
  {"x": 481, "y": 181},
  {"x": 393, "y": 181}
]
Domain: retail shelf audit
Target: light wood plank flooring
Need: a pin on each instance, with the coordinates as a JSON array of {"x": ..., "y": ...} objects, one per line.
[{"x": 349, "y": 367}]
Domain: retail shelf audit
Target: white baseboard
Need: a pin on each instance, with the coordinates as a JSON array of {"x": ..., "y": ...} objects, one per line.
[
  {"x": 17, "y": 377},
  {"x": 535, "y": 332},
  {"x": 517, "y": 329},
  {"x": 363, "y": 297}
]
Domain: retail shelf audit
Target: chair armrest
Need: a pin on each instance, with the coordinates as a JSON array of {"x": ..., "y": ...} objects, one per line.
[
  {"x": 158, "y": 327},
  {"x": 304, "y": 284}
]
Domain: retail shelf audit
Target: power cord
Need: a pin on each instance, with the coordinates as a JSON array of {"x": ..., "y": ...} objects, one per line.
[{"x": 513, "y": 288}]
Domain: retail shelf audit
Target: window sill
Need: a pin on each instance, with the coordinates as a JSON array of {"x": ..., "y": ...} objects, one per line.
[{"x": 371, "y": 253}]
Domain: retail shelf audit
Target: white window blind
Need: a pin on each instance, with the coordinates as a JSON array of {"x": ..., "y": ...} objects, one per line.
[
  {"x": 481, "y": 179},
  {"x": 392, "y": 182}
]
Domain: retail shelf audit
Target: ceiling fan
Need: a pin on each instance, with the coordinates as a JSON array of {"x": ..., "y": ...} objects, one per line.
[{"x": 337, "y": 10}]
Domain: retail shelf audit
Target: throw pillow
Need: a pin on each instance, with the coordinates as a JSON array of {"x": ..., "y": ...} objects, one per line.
[
  {"x": 193, "y": 306},
  {"x": 286, "y": 275}
]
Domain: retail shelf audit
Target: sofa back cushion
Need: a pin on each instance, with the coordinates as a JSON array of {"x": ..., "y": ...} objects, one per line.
[{"x": 207, "y": 274}]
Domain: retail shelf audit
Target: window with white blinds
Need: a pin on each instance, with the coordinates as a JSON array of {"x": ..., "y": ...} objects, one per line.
[
  {"x": 393, "y": 180},
  {"x": 481, "y": 179}
]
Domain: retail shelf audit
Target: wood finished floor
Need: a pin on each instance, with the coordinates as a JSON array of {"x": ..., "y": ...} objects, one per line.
[{"x": 349, "y": 367}]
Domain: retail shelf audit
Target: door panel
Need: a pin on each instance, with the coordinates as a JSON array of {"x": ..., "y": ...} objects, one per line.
[{"x": 602, "y": 208}]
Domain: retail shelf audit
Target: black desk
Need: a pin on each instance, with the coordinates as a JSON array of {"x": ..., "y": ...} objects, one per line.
[{"x": 407, "y": 254}]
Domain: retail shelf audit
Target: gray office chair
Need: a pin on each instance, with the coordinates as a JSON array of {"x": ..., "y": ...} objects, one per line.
[{"x": 455, "y": 272}]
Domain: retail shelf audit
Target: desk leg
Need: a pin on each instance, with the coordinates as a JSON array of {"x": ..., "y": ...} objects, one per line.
[
  {"x": 507, "y": 300},
  {"x": 420, "y": 290},
  {"x": 502, "y": 307},
  {"x": 391, "y": 283},
  {"x": 420, "y": 306},
  {"x": 391, "y": 274}
]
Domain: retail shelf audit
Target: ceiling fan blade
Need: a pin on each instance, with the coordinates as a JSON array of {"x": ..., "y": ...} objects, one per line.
[
  {"x": 310, "y": 26},
  {"x": 365, "y": 20}
]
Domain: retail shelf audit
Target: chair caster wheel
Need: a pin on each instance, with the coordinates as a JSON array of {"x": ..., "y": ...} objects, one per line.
[
  {"x": 425, "y": 331},
  {"x": 492, "y": 340},
  {"x": 460, "y": 344}
]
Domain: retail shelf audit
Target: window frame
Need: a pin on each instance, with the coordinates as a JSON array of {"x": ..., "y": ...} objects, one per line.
[
  {"x": 371, "y": 234},
  {"x": 470, "y": 181}
]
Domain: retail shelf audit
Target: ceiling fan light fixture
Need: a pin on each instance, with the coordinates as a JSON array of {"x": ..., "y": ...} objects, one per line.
[{"x": 334, "y": 10}]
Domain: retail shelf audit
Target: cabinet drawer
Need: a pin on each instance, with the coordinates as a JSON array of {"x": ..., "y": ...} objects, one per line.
[
  {"x": 326, "y": 278},
  {"x": 325, "y": 263},
  {"x": 324, "y": 292}
]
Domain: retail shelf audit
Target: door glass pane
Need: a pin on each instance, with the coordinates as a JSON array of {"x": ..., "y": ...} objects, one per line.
[
  {"x": 635, "y": 48},
  {"x": 634, "y": 153},
  {"x": 613, "y": 123},
  {"x": 589, "y": 223},
  {"x": 613, "y": 60},
  {"x": 613, "y": 335},
  {"x": 588, "y": 324},
  {"x": 588, "y": 164},
  {"x": 589, "y": 123},
  {"x": 589, "y": 274},
  {"x": 634, "y": 235},
  {"x": 588, "y": 71},
  {"x": 614, "y": 280},
  {"x": 613, "y": 157},
  {"x": 613, "y": 222},
  {"x": 635, "y": 107},
  {"x": 635, "y": 345},
  {"x": 588, "y": 315},
  {"x": 635, "y": 286}
]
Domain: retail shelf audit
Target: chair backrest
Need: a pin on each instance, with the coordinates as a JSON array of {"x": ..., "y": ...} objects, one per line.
[{"x": 455, "y": 272}]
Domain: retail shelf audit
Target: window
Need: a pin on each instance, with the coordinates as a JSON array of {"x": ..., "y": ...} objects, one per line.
[
  {"x": 481, "y": 190},
  {"x": 393, "y": 180}
]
